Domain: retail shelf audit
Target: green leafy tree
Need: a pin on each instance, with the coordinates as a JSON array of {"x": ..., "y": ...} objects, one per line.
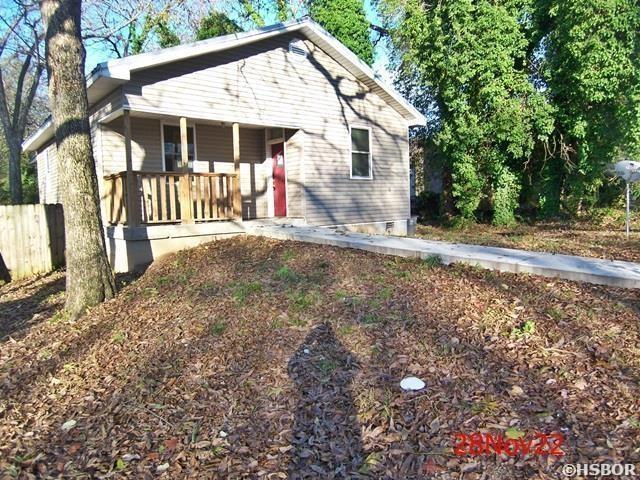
[
  {"x": 591, "y": 67},
  {"x": 251, "y": 10},
  {"x": 470, "y": 59},
  {"x": 283, "y": 10},
  {"x": 347, "y": 21},
  {"x": 154, "y": 23},
  {"x": 166, "y": 36},
  {"x": 27, "y": 172},
  {"x": 216, "y": 24}
]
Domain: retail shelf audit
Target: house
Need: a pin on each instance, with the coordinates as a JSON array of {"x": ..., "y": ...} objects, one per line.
[{"x": 283, "y": 124}]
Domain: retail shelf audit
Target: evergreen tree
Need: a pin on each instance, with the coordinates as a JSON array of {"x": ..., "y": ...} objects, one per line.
[{"x": 347, "y": 21}]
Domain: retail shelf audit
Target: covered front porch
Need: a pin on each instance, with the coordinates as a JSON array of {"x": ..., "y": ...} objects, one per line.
[
  {"x": 182, "y": 171},
  {"x": 190, "y": 181}
]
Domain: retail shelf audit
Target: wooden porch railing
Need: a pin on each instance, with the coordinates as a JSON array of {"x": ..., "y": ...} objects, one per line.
[{"x": 172, "y": 197}]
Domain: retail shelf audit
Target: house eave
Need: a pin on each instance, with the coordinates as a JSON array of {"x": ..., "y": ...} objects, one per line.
[
  {"x": 109, "y": 75},
  {"x": 39, "y": 137},
  {"x": 120, "y": 69}
]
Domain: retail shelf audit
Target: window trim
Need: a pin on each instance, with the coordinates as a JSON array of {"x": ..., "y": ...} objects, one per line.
[
  {"x": 177, "y": 124},
  {"x": 351, "y": 152}
]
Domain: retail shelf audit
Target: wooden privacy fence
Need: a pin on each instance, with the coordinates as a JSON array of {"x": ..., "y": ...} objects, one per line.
[{"x": 31, "y": 239}]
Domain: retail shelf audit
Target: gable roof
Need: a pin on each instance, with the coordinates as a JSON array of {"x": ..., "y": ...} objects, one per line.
[{"x": 108, "y": 75}]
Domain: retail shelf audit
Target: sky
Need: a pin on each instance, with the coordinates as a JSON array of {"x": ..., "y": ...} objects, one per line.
[{"x": 97, "y": 52}]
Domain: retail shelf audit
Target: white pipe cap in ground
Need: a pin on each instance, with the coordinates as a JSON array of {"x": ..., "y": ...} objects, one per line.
[{"x": 412, "y": 384}]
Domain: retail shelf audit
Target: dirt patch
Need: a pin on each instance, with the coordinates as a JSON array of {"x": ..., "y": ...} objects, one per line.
[{"x": 255, "y": 358}]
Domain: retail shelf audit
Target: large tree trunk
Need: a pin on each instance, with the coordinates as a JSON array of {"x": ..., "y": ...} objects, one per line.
[
  {"x": 15, "y": 175},
  {"x": 89, "y": 276}
]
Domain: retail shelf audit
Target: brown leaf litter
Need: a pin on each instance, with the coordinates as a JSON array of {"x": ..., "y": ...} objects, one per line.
[{"x": 254, "y": 358}]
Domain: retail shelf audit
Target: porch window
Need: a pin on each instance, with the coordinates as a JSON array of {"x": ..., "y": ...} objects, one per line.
[
  {"x": 360, "y": 152},
  {"x": 173, "y": 147}
]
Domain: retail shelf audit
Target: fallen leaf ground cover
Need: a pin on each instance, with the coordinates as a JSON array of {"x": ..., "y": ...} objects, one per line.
[
  {"x": 599, "y": 239},
  {"x": 255, "y": 358}
]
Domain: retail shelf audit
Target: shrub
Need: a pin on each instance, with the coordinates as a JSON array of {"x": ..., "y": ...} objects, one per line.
[{"x": 505, "y": 197}]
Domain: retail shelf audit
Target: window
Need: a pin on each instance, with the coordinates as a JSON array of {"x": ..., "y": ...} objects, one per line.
[
  {"x": 173, "y": 147},
  {"x": 360, "y": 153}
]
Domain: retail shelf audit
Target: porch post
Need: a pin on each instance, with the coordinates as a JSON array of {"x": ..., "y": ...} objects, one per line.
[
  {"x": 186, "y": 205},
  {"x": 184, "y": 145},
  {"x": 132, "y": 185},
  {"x": 237, "y": 198}
]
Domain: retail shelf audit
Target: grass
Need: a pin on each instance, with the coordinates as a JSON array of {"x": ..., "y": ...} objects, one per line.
[
  {"x": 303, "y": 373},
  {"x": 118, "y": 337},
  {"x": 432, "y": 261},
  {"x": 327, "y": 366},
  {"x": 300, "y": 300},
  {"x": 298, "y": 321},
  {"x": 524, "y": 330},
  {"x": 286, "y": 275},
  {"x": 242, "y": 290},
  {"x": 218, "y": 328}
]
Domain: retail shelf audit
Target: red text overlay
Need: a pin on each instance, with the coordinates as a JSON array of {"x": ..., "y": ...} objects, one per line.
[{"x": 477, "y": 444}]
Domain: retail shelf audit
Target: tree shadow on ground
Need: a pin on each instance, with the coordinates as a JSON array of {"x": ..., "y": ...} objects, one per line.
[
  {"x": 326, "y": 434},
  {"x": 19, "y": 311},
  {"x": 22, "y": 312}
]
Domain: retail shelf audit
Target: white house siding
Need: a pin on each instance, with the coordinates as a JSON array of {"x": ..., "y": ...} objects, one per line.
[
  {"x": 48, "y": 184},
  {"x": 293, "y": 163},
  {"x": 47, "y": 166},
  {"x": 264, "y": 84},
  {"x": 146, "y": 148}
]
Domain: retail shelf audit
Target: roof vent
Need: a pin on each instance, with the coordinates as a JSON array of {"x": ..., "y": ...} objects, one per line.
[{"x": 298, "y": 48}]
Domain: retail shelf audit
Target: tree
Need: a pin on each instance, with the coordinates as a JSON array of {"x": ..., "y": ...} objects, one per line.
[
  {"x": 22, "y": 42},
  {"x": 592, "y": 71},
  {"x": 133, "y": 26},
  {"x": 347, "y": 21},
  {"x": 470, "y": 59},
  {"x": 216, "y": 24},
  {"x": 28, "y": 173},
  {"x": 153, "y": 23},
  {"x": 166, "y": 36},
  {"x": 89, "y": 279}
]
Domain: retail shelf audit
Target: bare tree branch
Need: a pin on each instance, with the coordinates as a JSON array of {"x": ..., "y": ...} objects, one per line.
[
  {"x": 17, "y": 101},
  {"x": 24, "y": 66}
]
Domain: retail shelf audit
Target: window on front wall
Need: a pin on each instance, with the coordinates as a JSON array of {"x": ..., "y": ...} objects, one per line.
[
  {"x": 360, "y": 153},
  {"x": 173, "y": 148}
]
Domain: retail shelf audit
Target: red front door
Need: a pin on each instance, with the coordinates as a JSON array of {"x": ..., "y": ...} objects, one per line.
[{"x": 279, "y": 185}]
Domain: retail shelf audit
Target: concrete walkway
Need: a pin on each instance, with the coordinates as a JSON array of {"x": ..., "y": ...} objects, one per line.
[{"x": 615, "y": 273}]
